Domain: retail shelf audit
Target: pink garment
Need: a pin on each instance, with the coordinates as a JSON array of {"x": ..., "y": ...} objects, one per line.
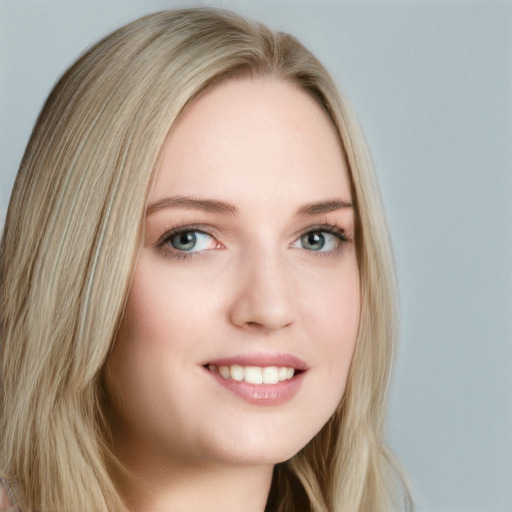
[{"x": 7, "y": 501}]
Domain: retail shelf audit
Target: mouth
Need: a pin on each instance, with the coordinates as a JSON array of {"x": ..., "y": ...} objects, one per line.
[
  {"x": 254, "y": 374},
  {"x": 260, "y": 379}
]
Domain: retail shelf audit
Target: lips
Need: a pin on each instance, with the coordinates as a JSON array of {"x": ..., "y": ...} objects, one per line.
[{"x": 261, "y": 379}]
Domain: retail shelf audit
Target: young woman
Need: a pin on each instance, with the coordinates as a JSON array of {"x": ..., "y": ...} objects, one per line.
[{"x": 197, "y": 286}]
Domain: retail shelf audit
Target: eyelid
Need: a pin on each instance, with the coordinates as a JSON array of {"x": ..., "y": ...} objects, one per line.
[
  {"x": 163, "y": 244},
  {"x": 330, "y": 229},
  {"x": 337, "y": 231},
  {"x": 200, "y": 228},
  {"x": 333, "y": 229}
]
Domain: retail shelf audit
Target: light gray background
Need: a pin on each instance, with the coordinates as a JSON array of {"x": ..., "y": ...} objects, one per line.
[{"x": 431, "y": 82}]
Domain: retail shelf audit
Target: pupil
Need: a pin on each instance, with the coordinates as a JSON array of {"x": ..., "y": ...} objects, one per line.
[
  {"x": 315, "y": 241},
  {"x": 184, "y": 241}
]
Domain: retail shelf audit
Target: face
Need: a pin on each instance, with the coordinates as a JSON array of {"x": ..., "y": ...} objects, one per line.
[{"x": 243, "y": 313}]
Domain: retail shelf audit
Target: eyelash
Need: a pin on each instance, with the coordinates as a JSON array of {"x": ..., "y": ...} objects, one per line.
[
  {"x": 337, "y": 232},
  {"x": 164, "y": 242}
]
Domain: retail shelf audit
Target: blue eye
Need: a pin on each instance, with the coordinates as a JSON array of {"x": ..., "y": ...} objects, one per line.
[
  {"x": 321, "y": 240},
  {"x": 191, "y": 241},
  {"x": 314, "y": 241}
]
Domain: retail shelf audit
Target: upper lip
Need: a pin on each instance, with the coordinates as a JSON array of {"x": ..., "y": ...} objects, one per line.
[{"x": 261, "y": 359}]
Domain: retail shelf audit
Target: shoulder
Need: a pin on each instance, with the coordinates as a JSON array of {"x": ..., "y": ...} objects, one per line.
[{"x": 7, "y": 501}]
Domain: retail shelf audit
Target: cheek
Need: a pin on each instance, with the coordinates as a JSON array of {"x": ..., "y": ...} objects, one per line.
[
  {"x": 333, "y": 323},
  {"x": 333, "y": 309},
  {"x": 164, "y": 309},
  {"x": 331, "y": 318},
  {"x": 145, "y": 343},
  {"x": 168, "y": 315}
]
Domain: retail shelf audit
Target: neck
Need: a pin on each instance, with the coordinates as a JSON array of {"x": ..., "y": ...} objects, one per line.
[{"x": 188, "y": 487}]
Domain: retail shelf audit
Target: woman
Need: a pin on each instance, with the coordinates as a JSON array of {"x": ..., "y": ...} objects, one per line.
[{"x": 197, "y": 288}]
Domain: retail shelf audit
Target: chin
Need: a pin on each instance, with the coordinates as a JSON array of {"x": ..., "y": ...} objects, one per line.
[{"x": 261, "y": 447}]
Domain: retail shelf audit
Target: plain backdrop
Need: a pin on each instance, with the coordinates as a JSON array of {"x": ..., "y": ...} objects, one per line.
[{"x": 431, "y": 82}]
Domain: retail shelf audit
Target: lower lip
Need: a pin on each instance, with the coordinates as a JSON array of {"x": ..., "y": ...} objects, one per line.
[{"x": 262, "y": 394}]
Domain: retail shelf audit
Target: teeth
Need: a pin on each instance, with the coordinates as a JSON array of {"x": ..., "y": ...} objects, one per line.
[
  {"x": 224, "y": 372},
  {"x": 236, "y": 372},
  {"x": 270, "y": 375},
  {"x": 254, "y": 374},
  {"x": 282, "y": 373}
]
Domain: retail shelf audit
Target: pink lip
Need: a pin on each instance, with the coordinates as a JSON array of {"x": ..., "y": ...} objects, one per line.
[
  {"x": 262, "y": 394},
  {"x": 261, "y": 359}
]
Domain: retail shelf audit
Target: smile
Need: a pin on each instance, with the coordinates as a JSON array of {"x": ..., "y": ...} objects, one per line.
[
  {"x": 254, "y": 374},
  {"x": 260, "y": 379}
]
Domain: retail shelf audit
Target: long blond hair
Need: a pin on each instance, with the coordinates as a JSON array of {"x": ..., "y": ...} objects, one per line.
[{"x": 72, "y": 233}]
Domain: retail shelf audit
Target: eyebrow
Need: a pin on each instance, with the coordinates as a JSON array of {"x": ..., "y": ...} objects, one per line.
[
  {"x": 216, "y": 206},
  {"x": 323, "y": 207},
  {"x": 192, "y": 203}
]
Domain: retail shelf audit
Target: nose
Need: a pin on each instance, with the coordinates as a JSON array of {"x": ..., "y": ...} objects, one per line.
[{"x": 264, "y": 297}]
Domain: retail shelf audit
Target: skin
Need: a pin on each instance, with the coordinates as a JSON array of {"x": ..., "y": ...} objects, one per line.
[{"x": 251, "y": 285}]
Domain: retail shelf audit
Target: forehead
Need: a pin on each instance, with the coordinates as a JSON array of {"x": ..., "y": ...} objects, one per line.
[{"x": 250, "y": 139}]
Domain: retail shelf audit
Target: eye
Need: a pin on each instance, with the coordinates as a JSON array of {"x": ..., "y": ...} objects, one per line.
[
  {"x": 314, "y": 241},
  {"x": 189, "y": 241},
  {"x": 321, "y": 240}
]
